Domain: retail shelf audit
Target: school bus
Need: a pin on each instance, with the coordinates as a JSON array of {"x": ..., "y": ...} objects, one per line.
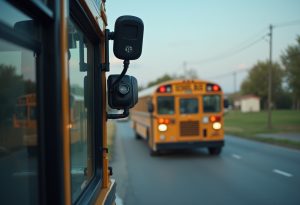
[
  {"x": 25, "y": 114},
  {"x": 25, "y": 118},
  {"x": 180, "y": 114},
  {"x": 54, "y": 60}
]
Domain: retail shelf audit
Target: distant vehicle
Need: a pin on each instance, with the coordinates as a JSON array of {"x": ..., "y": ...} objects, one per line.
[{"x": 180, "y": 114}]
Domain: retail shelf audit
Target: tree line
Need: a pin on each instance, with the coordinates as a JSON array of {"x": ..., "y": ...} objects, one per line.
[
  {"x": 285, "y": 80},
  {"x": 12, "y": 86}
]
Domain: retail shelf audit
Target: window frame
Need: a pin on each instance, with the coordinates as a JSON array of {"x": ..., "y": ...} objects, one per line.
[{"x": 82, "y": 21}]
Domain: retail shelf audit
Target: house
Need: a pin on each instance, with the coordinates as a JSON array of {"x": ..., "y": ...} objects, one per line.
[{"x": 247, "y": 103}]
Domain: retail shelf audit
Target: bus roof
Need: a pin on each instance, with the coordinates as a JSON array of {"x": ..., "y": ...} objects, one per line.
[{"x": 151, "y": 90}]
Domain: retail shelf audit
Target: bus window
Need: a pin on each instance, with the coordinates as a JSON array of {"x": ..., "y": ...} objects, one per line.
[
  {"x": 165, "y": 105},
  {"x": 32, "y": 111},
  {"x": 211, "y": 103},
  {"x": 188, "y": 105},
  {"x": 80, "y": 133},
  {"x": 21, "y": 112},
  {"x": 18, "y": 139}
]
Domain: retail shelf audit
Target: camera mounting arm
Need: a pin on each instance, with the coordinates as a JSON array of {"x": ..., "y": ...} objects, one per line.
[{"x": 108, "y": 36}]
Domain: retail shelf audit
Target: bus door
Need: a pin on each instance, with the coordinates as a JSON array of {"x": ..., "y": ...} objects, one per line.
[{"x": 188, "y": 117}]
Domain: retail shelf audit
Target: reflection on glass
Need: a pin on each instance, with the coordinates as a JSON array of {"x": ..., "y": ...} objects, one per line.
[
  {"x": 80, "y": 144},
  {"x": 165, "y": 105},
  {"x": 211, "y": 103},
  {"x": 188, "y": 106},
  {"x": 18, "y": 129}
]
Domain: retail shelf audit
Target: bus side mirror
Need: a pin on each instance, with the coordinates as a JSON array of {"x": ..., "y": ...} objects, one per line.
[
  {"x": 226, "y": 103},
  {"x": 124, "y": 94},
  {"x": 128, "y": 37},
  {"x": 150, "y": 107}
]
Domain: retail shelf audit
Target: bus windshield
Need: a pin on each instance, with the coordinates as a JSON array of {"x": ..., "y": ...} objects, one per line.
[
  {"x": 165, "y": 105},
  {"x": 21, "y": 112},
  {"x": 211, "y": 103},
  {"x": 188, "y": 106}
]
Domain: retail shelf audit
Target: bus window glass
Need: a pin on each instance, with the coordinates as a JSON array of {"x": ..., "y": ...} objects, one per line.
[
  {"x": 18, "y": 132},
  {"x": 188, "y": 105},
  {"x": 10, "y": 15},
  {"x": 32, "y": 111},
  {"x": 79, "y": 129},
  {"x": 21, "y": 112},
  {"x": 211, "y": 103},
  {"x": 165, "y": 105}
]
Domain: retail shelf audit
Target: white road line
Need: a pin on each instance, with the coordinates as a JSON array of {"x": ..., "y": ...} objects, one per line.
[
  {"x": 286, "y": 174},
  {"x": 79, "y": 171},
  {"x": 236, "y": 156}
]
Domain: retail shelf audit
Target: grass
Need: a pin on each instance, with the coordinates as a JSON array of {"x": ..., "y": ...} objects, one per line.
[{"x": 248, "y": 125}]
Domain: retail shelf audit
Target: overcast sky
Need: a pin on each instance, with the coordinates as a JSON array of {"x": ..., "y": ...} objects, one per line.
[{"x": 212, "y": 37}]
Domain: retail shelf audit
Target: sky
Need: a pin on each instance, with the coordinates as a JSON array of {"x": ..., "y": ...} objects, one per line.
[{"x": 214, "y": 38}]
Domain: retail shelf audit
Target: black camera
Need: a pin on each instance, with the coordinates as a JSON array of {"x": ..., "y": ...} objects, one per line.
[
  {"x": 128, "y": 37},
  {"x": 123, "y": 94}
]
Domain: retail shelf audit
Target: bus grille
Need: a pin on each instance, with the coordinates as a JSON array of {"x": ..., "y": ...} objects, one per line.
[{"x": 189, "y": 128}]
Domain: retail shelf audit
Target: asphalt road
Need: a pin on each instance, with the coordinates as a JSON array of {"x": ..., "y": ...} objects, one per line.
[{"x": 246, "y": 172}]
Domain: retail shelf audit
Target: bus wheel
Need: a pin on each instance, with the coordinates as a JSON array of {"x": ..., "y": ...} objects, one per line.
[
  {"x": 214, "y": 150},
  {"x": 153, "y": 153}
]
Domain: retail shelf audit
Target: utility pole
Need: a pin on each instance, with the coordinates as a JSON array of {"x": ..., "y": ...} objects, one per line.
[
  {"x": 270, "y": 82},
  {"x": 184, "y": 65}
]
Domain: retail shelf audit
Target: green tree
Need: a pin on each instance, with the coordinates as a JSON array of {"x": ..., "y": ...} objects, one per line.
[
  {"x": 187, "y": 75},
  {"x": 257, "y": 82},
  {"x": 11, "y": 87},
  {"x": 291, "y": 62},
  {"x": 77, "y": 90}
]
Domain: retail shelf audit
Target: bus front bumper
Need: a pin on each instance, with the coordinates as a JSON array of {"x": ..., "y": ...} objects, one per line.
[{"x": 189, "y": 145}]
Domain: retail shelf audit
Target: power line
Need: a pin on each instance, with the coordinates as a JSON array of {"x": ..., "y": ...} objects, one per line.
[
  {"x": 241, "y": 47},
  {"x": 233, "y": 52},
  {"x": 228, "y": 73},
  {"x": 286, "y": 24}
]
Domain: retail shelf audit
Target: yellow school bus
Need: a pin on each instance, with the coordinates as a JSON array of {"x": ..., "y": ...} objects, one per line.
[
  {"x": 54, "y": 60},
  {"x": 25, "y": 114},
  {"x": 25, "y": 119},
  {"x": 180, "y": 114}
]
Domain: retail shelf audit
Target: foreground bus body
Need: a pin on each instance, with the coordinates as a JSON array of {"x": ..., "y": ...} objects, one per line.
[
  {"x": 49, "y": 51},
  {"x": 186, "y": 115}
]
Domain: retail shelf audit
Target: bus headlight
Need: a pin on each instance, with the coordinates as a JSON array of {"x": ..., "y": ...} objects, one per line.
[
  {"x": 217, "y": 125},
  {"x": 162, "y": 127}
]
